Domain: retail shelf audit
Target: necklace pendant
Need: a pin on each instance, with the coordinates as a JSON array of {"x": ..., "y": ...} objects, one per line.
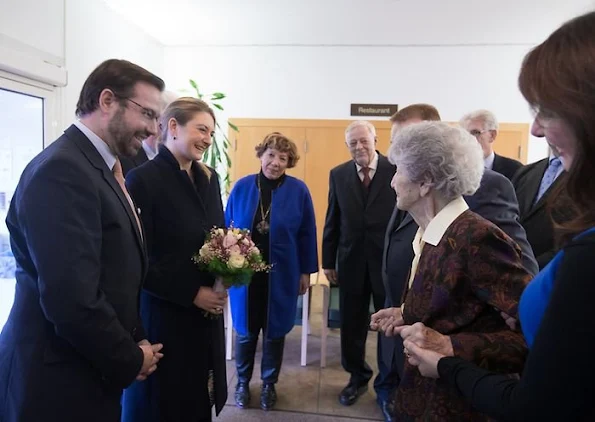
[{"x": 263, "y": 227}]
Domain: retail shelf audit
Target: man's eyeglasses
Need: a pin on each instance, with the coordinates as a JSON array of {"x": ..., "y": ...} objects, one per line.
[
  {"x": 146, "y": 112},
  {"x": 476, "y": 132}
]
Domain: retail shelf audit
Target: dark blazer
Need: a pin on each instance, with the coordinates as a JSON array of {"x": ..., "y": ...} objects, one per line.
[
  {"x": 494, "y": 200},
  {"x": 506, "y": 166},
  {"x": 535, "y": 217},
  {"x": 70, "y": 344},
  {"x": 354, "y": 229},
  {"x": 474, "y": 269},
  {"x": 128, "y": 163},
  {"x": 177, "y": 215}
]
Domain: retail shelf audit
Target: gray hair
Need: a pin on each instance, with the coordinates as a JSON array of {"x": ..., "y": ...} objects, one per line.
[
  {"x": 166, "y": 98},
  {"x": 449, "y": 157},
  {"x": 487, "y": 117},
  {"x": 358, "y": 123}
]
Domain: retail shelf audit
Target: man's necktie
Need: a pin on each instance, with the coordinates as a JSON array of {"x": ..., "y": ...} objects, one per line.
[
  {"x": 366, "y": 180},
  {"x": 119, "y": 175},
  {"x": 548, "y": 177}
]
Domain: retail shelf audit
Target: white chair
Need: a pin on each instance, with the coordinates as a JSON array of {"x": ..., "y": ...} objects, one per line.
[
  {"x": 228, "y": 322},
  {"x": 306, "y": 317},
  {"x": 326, "y": 292}
]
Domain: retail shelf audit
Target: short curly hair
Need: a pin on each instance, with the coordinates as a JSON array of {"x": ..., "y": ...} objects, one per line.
[
  {"x": 449, "y": 157},
  {"x": 281, "y": 143}
]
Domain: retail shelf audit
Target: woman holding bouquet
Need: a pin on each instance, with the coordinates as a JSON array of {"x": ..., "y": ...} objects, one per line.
[
  {"x": 179, "y": 201},
  {"x": 278, "y": 209}
]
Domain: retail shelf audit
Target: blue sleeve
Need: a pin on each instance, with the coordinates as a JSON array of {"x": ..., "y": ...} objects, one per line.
[{"x": 307, "y": 240}]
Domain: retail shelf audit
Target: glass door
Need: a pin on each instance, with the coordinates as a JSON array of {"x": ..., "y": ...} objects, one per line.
[{"x": 26, "y": 119}]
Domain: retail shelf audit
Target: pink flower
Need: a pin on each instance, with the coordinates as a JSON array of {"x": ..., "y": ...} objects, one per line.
[
  {"x": 235, "y": 250},
  {"x": 229, "y": 240}
]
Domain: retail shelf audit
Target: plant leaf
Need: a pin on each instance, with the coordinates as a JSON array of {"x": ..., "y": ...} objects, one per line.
[
  {"x": 234, "y": 127},
  {"x": 217, "y": 106}
]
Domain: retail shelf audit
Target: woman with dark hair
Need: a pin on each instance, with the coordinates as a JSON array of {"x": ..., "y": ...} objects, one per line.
[
  {"x": 278, "y": 209},
  {"x": 179, "y": 200},
  {"x": 558, "y": 80}
]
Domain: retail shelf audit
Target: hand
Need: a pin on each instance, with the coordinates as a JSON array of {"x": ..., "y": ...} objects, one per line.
[
  {"x": 386, "y": 320},
  {"x": 210, "y": 301},
  {"x": 510, "y": 321},
  {"x": 426, "y": 338},
  {"x": 425, "y": 360},
  {"x": 304, "y": 283},
  {"x": 331, "y": 276},
  {"x": 151, "y": 356}
]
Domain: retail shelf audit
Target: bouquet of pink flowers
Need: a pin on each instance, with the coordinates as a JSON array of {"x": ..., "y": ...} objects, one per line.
[{"x": 231, "y": 255}]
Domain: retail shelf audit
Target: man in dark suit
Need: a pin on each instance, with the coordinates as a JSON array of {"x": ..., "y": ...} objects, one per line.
[
  {"x": 150, "y": 146},
  {"x": 483, "y": 125},
  {"x": 73, "y": 339},
  {"x": 359, "y": 207},
  {"x": 534, "y": 183},
  {"x": 494, "y": 200}
]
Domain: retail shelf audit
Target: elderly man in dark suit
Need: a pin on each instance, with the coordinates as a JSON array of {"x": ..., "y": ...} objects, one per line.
[
  {"x": 359, "y": 207},
  {"x": 73, "y": 339},
  {"x": 534, "y": 184},
  {"x": 494, "y": 200},
  {"x": 484, "y": 126}
]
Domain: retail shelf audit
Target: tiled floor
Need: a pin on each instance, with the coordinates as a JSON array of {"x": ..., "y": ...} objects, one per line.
[{"x": 308, "y": 390}]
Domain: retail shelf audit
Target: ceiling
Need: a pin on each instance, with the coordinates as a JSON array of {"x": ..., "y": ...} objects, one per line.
[{"x": 348, "y": 22}]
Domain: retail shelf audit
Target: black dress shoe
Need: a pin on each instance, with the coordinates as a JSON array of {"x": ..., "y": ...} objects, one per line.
[
  {"x": 242, "y": 395},
  {"x": 268, "y": 396},
  {"x": 387, "y": 407},
  {"x": 350, "y": 394}
]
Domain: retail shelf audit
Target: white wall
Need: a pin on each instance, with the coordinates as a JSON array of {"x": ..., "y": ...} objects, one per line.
[
  {"x": 94, "y": 33},
  {"x": 457, "y": 70}
]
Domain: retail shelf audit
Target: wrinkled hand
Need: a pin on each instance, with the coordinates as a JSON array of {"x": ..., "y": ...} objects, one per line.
[
  {"x": 210, "y": 300},
  {"x": 425, "y": 360},
  {"x": 386, "y": 321},
  {"x": 151, "y": 356},
  {"x": 331, "y": 276},
  {"x": 510, "y": 321},
  {"x": 426, "y": 338},
  {"x": 304, "y": 283}
]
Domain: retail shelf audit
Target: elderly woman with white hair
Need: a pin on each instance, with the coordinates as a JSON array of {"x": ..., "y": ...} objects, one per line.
[{"x": 465, "y": 271}]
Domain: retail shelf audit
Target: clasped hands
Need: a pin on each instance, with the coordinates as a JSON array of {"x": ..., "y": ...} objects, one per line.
[
  {"x": 151, "y": 356},
  {"x": 423, "y": 345}
]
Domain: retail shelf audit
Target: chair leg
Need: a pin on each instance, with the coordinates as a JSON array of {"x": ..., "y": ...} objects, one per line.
[
  {"x": 228, "y": 330},
  {"x": 324, "y": 331},
  {"x": 305, "y": 325}
]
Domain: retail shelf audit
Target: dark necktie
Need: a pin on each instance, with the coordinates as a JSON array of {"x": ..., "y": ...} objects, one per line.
[
  {"x": 366, "y": 180},
  {"x": 119, "y": 175}
]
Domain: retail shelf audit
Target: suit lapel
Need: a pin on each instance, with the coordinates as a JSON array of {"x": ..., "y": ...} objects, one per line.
[
  {"x": 406, "y": 221},
  {"x": 98, "y": 162},
  {"x": 382, "y": 174},
  {"x": 358, "y": 191},
  {"x": 543, "y": 200}
]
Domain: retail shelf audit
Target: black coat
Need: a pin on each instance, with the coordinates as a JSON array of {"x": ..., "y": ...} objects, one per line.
[
  {"x": 177, "y": 214},
  {"x": 506, "y": 166},
  {"x": 129, "y": 163},
  {"x": 535, "y": 217},
  {"x": 69, "y": 346},
  {"x": 354, "y": 229}
]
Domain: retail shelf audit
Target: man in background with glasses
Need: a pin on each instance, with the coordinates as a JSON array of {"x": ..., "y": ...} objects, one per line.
[
  {"x": 483, "y": 125},
  {"x": 73, "y": 340},
  {"x": 150, "y": 146}
]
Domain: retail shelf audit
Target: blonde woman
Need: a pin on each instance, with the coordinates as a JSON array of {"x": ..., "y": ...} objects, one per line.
[{"x": 179, "y": 200}]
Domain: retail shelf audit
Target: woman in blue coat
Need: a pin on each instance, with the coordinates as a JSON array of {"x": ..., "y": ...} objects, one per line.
[{"x": 278, "y": 209}]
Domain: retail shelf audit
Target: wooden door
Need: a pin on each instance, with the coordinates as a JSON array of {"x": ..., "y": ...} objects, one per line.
[
  {"x": 512, "y": 141},
  {"x": 243, "y": 158}
]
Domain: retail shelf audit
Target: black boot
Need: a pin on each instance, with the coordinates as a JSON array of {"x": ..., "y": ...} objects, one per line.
[
  {"x": 245, "y": 350},
  {"x": 242, "y": 395},
  {"x": 268, "y": 396}
]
